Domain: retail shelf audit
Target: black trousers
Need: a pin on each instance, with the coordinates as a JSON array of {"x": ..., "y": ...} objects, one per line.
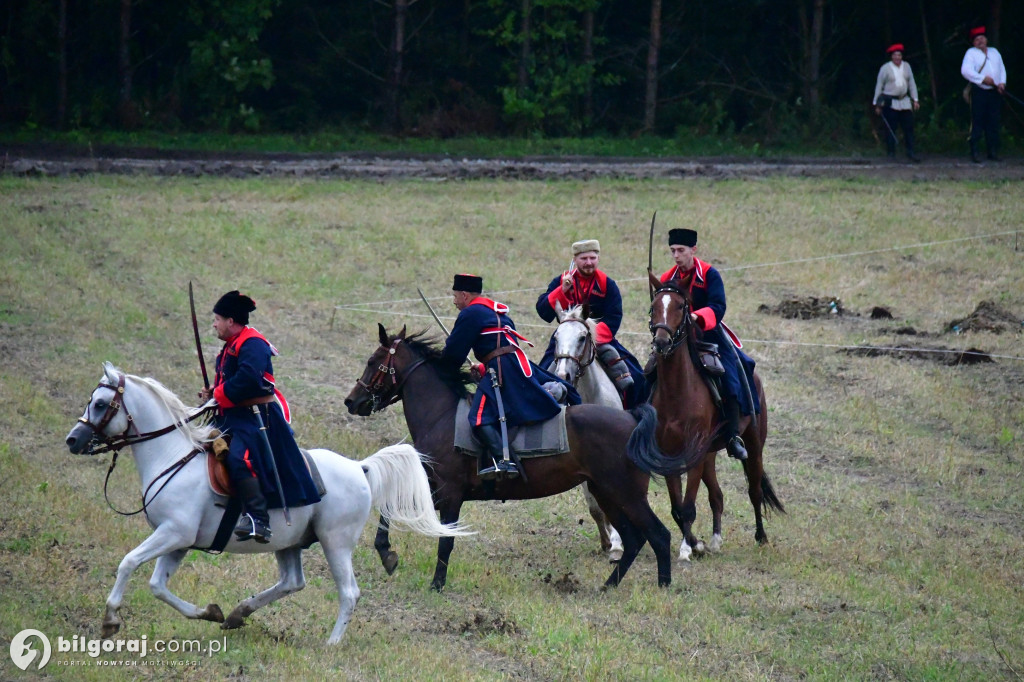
[
  {"x": 904, "y": 119},
  {"x": 985, "y": 107}
]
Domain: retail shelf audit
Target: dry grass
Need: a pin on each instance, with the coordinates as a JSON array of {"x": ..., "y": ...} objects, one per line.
[{"x": 901, "y": 557}]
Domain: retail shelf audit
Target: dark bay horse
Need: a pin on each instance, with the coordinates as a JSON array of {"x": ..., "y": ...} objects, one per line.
[
  {"x": 408, "y": 369},
  {"x": 688, "y": 418}
]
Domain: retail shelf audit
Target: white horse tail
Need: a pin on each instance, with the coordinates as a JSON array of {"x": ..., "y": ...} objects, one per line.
[{"x": 401, "y": 491}]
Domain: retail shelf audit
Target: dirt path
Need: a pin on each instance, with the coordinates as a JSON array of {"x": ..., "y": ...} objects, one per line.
[{"x": 55, "y": 160}]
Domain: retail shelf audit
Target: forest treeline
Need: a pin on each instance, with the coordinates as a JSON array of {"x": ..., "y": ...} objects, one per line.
[{"x": 766, "y": 69}]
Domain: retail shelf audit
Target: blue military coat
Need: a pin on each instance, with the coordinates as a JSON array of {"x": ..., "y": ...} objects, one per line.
[
  {"x": 602, "y": 294},
  {"x": 244, "y": 371},
  {"x": 708, "y": 295},
  {"x": 482, "y": 327}
]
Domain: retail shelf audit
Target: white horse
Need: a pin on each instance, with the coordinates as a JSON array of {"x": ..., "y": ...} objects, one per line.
[
  {"x": 575, "y": 353},
  {"x": 179, "y": 503}
]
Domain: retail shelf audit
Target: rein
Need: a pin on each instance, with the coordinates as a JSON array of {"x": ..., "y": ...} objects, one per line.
[
  {"x": 584, "y": 359},
  {"x": 384, "y": 396},
  {"x": 116, "y": 443}
]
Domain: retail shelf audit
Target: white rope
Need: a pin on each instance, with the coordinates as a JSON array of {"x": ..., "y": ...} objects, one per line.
[{"x": 854, "y": 254}]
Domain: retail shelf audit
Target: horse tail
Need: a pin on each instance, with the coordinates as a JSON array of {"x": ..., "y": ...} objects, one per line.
[
  {"x": 768, "y": 497},
  {"x": 401, "y": 491},
  {"x": 644, "y": 452}
]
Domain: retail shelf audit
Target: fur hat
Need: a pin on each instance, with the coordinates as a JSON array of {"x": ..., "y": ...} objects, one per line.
[
  {"x": 682, "y": 236},
  {"x": 236, "y": 306},
  {"x": 473, "y": 284},
  {"x": 586, "y": 245}
]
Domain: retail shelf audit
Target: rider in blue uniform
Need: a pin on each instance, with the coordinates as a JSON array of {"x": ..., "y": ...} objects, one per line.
[
  {"x": 585, "y": 284},
  {"x": 484, "y": 327},
  {"x": 245, "y": 393},
  {"x": 708, "y": 296}
]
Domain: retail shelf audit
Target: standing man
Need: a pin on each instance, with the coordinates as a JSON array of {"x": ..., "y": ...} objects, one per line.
[
  {"x": 248, "y": 401},
  {"x": 484, "y": 327},
  {"x": 584, "y": 284},
  {"x": 707, "y": 292},
  {"x": 896, "y": 100},
  {"x": 983, "y": 68}
]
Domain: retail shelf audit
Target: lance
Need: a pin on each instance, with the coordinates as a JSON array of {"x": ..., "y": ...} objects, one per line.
[
  {"x": 650, "y": 255},
  {"x": 195, "y": 332}
]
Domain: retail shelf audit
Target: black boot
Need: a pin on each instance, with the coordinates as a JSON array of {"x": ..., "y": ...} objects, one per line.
[
  {"x": 615, "y": 367},
  {"x": 974, "y": 153},
  {"x": 733, "y": 443},
  {"x": 254, "y": 523},
  {"x": 489, "y": 436}
]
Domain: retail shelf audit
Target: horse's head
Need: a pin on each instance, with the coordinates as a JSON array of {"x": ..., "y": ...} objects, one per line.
[
  {"x": 104, "y": 416},
  {"x": 670, "y": 323},
  {"x": 381, "y": 382},
  {"x": 574, "y": 343}
]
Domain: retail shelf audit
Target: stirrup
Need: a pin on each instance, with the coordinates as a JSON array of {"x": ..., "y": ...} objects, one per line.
[
  {"x": 490, "y": 473},
  {"x": 508, "y": 469},
  {"x": 736, "y": 448},
  {"x": 249, "y": 528}
]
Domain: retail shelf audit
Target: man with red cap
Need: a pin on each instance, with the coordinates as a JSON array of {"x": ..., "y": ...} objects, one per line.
[
  {"x": 707, "y": 292},
  {"x": 896, "y": 99},
  {"x": 485, "y": 328},
  {"x": 986, "y": 75},
  {"x": 249, "y": 402}
]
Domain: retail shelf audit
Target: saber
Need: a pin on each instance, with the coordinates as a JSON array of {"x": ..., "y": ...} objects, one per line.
[
  {"x": 891, "y": 131},
  {"x": 506, "y": 452},
  {"x": 264, "y": 418},
  {"x": 195, "y": 332},
  {"x": 650, "y": 255},
  {"x": 431, "y": 309}
]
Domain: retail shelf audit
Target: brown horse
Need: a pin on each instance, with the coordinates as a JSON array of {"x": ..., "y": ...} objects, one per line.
[
  {"x": 409, "y": 369},
  {"x": 687, "y": 415}
]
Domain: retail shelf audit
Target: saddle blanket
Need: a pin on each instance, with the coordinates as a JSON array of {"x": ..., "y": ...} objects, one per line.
[{"x": 529, "y": 440}]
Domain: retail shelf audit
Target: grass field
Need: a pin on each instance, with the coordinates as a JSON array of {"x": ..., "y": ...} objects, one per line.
[{"x": 901, "y": 557}]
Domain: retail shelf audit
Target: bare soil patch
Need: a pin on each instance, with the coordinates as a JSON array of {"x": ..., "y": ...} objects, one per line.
[
  {"x": 806, "y": 308},
  {"x": 987, "y": 317},
  {"x": 54, "y": 160}
]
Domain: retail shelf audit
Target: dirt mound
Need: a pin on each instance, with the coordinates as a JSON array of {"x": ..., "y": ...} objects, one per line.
[
  {"x": 939, "y": 354},
  {"x": 806, "y": 308},
  {"x": 987, "y": 317}
]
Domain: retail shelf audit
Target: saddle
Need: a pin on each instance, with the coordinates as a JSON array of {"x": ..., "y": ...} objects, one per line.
[
  {"x": 540, "y": 439},
  {"x": 217, "y": 470}
]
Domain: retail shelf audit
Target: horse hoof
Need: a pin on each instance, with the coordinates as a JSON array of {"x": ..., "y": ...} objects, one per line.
[
  {"x": 390, "y": 562},
  {"x": 664, "y": 582},
  {"x": 615, "y": 556},
  {"x": 212, "y": 613},
  {"x": 109, "y": 630},
  {"x": 437, "y": 586},
  {"x": 237, "y": 617}
]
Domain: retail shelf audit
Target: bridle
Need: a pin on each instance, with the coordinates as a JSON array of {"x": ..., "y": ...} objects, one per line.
[
  {"x": 385, "y": 386},
  {"x": 116, "y": 443},
  {"x": 678, "y": 335},
  {"x": 586, "y": 356}
]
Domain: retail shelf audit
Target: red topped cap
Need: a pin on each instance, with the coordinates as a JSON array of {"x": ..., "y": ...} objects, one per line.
[
  {"x": 895, "y": 47},
  {"x": 977, "y": 31}
]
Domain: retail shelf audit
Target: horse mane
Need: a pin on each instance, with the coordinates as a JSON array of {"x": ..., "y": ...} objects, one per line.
[
  {"x": 198, "y": 431},
  {"x": 575, "y": 314},
  {"x": 426, "y": 346}
]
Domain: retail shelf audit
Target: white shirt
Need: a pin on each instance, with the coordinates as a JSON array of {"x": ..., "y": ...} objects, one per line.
[
  {"x": 898, "y": 83},
  {"x": 976, "y": 67}
]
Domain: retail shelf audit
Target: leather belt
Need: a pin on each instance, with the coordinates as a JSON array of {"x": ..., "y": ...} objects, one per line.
[{"x": 504, "y": 350}]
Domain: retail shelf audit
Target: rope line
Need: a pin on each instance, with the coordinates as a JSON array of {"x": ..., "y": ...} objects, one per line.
[{"x": 811, "y": 259}]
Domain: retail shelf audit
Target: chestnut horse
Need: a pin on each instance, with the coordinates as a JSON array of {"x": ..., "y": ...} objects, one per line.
[
  {"x": 409, "y": 369},
  {"x": 687, "y": 414}
]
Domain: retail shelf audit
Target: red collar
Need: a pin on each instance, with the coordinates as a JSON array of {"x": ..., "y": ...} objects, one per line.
[
  {"x": 499, "y": 308},
  {"x": 699, "y": 270}
]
